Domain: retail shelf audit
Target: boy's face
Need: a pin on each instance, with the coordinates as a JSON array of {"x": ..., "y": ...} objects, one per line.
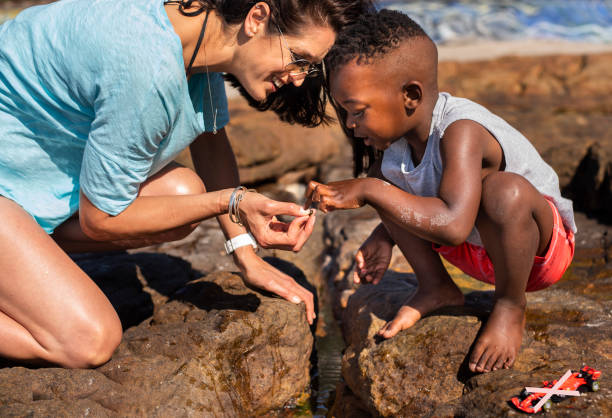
[{"x": 373, "y": 102}]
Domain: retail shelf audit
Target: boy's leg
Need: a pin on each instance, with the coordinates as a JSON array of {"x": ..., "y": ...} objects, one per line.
[
  {"x": 515, "y": 223},
  {"x": 51, "y": 312},
  {"x": 172, "y": 180},
  {"x": 436, "y": 288}
]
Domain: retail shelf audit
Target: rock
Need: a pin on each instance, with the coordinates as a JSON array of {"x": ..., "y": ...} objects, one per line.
[
  {"x": 267, "y": 149},
  {"x": 202, "y": 346}
]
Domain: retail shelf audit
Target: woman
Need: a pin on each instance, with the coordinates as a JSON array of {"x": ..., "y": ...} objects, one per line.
[{"x": 96, "y": 99}]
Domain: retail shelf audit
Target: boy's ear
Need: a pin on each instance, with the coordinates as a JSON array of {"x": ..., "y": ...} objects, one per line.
[{"x": 413, "y": 95}]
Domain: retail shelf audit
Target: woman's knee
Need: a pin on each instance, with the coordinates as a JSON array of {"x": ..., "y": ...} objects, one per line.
[
  {"x": 505, "y": 196},
  {"x": 173, "y": 180},
  {"x": 91, "y": 343}
]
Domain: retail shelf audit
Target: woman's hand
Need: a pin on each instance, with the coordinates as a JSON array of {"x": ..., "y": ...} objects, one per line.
[
  {"x": 345, "y": 194},
  {"x": 373, "y": 257},
  {"x": 259, "y": 214},
  {"x": 257, "y": 273}
]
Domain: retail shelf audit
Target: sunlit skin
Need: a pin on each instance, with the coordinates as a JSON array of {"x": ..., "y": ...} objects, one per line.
[
  {"x": 253, "y": 53},
  {"x": 71, "y": 323},
  {"x": 393, "y": 97}
]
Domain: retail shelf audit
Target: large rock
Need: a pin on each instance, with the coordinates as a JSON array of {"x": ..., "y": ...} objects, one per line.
[{"x": 204, "y": 346}]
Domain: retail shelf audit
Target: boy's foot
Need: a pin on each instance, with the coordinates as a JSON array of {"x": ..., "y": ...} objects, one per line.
[
  {"x": 499, "y": 343},
  {"x": 421, "y": 303}
]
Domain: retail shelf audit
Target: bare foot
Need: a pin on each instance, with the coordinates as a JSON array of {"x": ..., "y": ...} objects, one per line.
[
  {"x": 421, "y": 303},
  {"x": 499, "y": 343}
]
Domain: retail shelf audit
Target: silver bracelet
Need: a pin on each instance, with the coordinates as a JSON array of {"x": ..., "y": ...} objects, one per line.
[{"x": 234, "y": 202}]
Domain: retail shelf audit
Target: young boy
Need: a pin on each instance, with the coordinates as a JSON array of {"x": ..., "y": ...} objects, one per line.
[{"x": 465, "y": 184}]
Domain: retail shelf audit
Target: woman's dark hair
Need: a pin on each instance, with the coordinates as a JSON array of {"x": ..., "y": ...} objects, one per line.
[
  {"x": 306, "y": 104},
  {"x": 371, "y": 35}
]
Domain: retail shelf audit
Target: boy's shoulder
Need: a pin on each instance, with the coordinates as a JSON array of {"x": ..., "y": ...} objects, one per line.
[{"x": 450, "y": 109}]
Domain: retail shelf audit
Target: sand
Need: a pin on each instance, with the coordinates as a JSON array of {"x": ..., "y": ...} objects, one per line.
[{"x": 485, "y": 50}]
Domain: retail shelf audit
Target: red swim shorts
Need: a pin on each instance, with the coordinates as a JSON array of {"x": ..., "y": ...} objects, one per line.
[{"x": 474, "y": 261}]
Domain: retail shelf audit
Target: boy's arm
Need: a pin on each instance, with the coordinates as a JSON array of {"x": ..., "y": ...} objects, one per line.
[{"x": 448, "y": 218}]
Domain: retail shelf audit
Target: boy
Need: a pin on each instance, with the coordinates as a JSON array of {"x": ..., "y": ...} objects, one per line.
[{"x": 465, "y": 184}]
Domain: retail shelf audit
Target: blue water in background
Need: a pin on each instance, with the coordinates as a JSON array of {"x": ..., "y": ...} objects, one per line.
[{"x": 469, "y": 20}]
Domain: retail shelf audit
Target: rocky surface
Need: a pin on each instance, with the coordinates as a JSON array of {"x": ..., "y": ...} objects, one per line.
[{"x": 194, "y": 346}]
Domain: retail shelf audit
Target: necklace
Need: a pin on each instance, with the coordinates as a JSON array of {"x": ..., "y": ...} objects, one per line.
[
  {"x": 186, "y": 4},
  {"x": 212, "y": 108}
]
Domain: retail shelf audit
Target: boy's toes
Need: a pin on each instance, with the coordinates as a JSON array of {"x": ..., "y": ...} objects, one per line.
[
  {"x": 476, "y": 356},
  {"x": 499, "y": 364},
  {"x": 482, "y": 362},
  {"x": 391, "y": 328},
  {"x": 510, "y": 361},
  {"x": 494, "y": 358}
]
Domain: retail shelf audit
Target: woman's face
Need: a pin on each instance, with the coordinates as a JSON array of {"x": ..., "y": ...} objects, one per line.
[{"x": 265, "y": 56}]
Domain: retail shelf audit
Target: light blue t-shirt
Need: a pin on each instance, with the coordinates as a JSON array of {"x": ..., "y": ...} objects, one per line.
[{"x": 93, "y": 97}]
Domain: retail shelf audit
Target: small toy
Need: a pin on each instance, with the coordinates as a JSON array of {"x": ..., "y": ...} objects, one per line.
[{"x": 571, "y": 384}]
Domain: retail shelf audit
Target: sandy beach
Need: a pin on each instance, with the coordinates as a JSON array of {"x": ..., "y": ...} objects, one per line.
[{"x": 485, "y": 50}]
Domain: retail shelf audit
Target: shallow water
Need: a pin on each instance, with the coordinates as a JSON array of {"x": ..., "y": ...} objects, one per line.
[{"x": 469, "y": 20}]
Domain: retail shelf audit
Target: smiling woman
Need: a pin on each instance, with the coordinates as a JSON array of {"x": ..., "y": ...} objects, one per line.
[{"x": 96, "y": 99}]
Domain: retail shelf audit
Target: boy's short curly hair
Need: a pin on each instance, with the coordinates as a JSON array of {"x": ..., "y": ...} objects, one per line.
[{"x": 372, "y": 35}]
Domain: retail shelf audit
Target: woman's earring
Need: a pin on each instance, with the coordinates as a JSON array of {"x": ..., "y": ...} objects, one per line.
[{"x": 250, "y": 34}]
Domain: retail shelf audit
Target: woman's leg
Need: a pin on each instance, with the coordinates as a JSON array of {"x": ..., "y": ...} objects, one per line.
[
  {"x": 50, "y": 311},
  {"x": 436, "y": 288},
  {"x": 171, "y": 181},
  {"x": 515, "y": 223}
]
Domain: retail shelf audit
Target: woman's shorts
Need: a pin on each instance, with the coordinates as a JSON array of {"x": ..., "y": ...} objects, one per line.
[{"x": 474, "y": 261}]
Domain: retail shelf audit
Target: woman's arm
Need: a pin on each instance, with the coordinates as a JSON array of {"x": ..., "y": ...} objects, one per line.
[
  {"x": 215, "y": 163},
  {"x": 149, "y": 215}
]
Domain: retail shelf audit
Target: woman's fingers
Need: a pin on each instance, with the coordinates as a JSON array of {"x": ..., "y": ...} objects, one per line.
[
  {"x": 274, "y": 208},
  {"x": 293, "y": 292},
  {"x": 302, "y": 229}
]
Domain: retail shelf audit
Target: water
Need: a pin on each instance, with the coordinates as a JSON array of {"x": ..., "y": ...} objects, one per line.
[{"x": 468, "y": 20}]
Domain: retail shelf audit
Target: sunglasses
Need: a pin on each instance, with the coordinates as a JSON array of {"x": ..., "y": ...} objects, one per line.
[{"x": 298, "y": 67}]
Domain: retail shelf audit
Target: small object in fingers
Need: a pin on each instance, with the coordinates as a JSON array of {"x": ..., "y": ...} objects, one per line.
[{"x": 311, "y": 211}]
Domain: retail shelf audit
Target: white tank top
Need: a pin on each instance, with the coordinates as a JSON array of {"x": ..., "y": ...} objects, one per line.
[{"x": 521, "y": 157}]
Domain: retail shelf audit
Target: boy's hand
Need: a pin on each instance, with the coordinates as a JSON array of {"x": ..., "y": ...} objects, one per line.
[
  {"x": 345, "y": 194},
  {"x": 373, "y": 257}
]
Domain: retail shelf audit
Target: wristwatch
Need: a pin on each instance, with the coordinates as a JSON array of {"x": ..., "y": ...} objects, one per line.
[{"x": 239, "y": 241}]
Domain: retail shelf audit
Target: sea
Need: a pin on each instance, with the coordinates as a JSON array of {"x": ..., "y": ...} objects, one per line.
[{"x": 462, "y": 21}]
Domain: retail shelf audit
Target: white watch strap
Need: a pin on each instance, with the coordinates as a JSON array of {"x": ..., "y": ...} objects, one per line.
[{"x": 239, "y": 241}]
